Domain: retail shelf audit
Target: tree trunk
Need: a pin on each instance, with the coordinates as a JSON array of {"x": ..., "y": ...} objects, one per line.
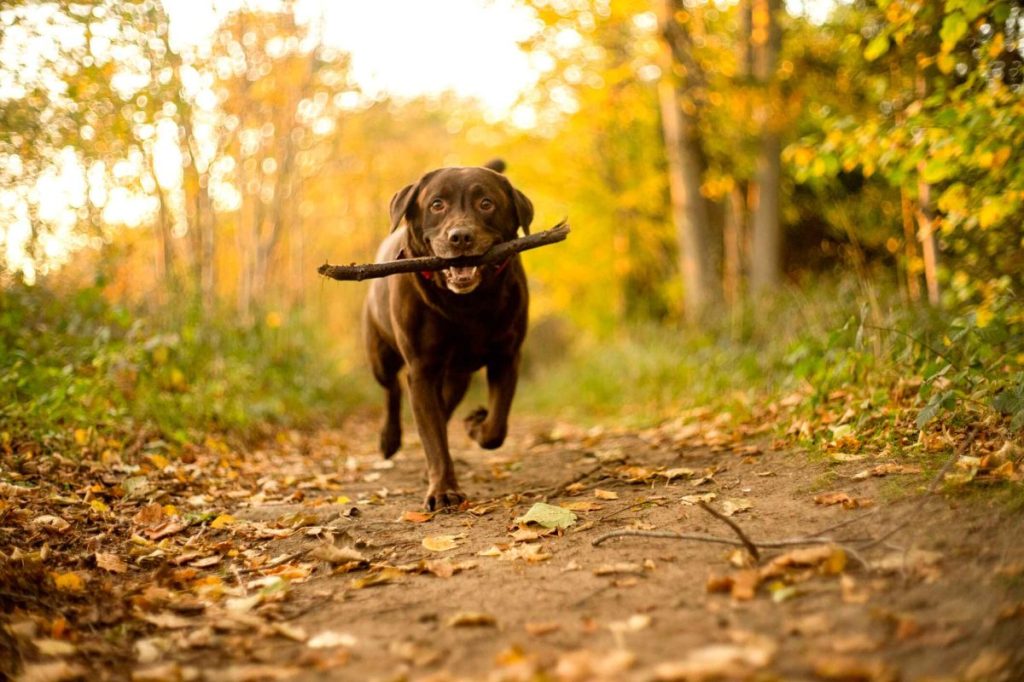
[
  {"x": 766, "y": 232},
  {"x": 686, "y": 164}
]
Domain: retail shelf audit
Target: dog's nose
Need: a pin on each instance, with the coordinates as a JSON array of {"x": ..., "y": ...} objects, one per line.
[{"x": 460, "y": 236}]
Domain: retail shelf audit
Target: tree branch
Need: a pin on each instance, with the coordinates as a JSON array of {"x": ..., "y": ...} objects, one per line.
[{"x": 495, "y": 254}]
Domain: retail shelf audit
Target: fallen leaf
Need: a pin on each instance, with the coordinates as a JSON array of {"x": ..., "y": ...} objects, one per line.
[
  {"x": 167, "y": 620},
  {"x": 330, "y": 638},
  {"x": 492, "y": 551},
  {"x": 548, "y": 515},
  {"x": 846, "y": 668},
  {"x": 336, "y": 555},
  {"x": 441, "y": 543},
  {"x": 619, "y": 568},
  {"x": 51, "y": 522},
  {"x": 416, "y": 517},
  {"x": 718, "y": 661},
  {"x": 733, "y": 507},
  {"x": 59, "y": 671},
  {"x": 471, "y": 619},
  {"x": 744, "y": 584},
  {"x": 678, "y": 472},
  {"x": 53, "y": 647},
  {"x": 828, "y": 499},
  {"x": 987, "y": 666},
  {"x": 222, "y": 521},
  {"x": 110, "y": 562},
  {"x": 585, "y": 665},
  {"x": 606, "y": 494},
  {"x": 691, "y": 500},
  {"x": 541, "y": 629},
  {"x": 893, "y": 468},
  {"x": 150, "y": 515},
  {"x": 635, "y": 623},
  {"x": 68, "y": 582},
  {"x": 382, "y": 577}
]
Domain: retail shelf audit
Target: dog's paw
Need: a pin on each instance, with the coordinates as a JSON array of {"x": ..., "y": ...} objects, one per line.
[
  {"x": 390, "y": 441},
  {"x": 443, "y": 496},
  {"x": 482, "y": 431}
]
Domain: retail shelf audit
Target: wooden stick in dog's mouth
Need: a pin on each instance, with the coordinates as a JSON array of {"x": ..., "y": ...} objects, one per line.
[{"x": 496, "y": 254}]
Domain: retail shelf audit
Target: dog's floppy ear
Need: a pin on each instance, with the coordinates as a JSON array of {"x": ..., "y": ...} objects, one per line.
[
  {"x": 524, "y": 210},
  {"x": 401, "y": 202}
]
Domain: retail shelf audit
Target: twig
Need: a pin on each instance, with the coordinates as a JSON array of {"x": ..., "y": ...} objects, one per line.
[
  {"x": 751, "y": 547},
  {"x": 553, "y": 490},
  {"x": 495, "y": 254}
]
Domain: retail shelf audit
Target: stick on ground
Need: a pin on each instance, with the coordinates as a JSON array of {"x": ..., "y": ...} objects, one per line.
[{"x": 495, "y": 254}]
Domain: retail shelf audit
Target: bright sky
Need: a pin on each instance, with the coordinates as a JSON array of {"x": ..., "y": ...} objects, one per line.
[{"x": 406, "y": 47}]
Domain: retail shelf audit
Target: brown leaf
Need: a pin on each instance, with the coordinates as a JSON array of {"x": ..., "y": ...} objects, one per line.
[
  {"x": 541, "y": 629},
  {"x": 619, "y": 569},
  {"x": 718, "y": 661},
  {"x": 150, "y": 515},
  {"x": 606, "y": 494},
  {"x": 744, "y": 584},
  {"x": 471, "y": 619},
  {"x": 110, "y": 562},
  {"x": 893, "y": 468},
  {"x": 59, "y": 671},
  {"x": 417, "y": 517},
  {"x": 383, "y": 577},
  {"x": 847, "y": 668},
  {"x": 336, "y": 555}
]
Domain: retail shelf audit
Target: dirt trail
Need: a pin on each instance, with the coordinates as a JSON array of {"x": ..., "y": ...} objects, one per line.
[{"x": 943, "y": 599}]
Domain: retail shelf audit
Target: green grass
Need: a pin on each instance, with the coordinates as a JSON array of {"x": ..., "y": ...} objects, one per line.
[{"x": 72, "y": 361}]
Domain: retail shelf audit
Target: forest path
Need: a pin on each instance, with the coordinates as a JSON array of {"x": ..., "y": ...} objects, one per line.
[{"x": 311, "y": 559}]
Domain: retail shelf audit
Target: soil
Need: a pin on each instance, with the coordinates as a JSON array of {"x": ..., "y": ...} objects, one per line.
[{"x": 941, "y": 598}]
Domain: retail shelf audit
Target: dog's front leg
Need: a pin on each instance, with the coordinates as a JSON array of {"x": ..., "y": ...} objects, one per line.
[
  {"x": 425, "y": 382},
  {"x": 489, "y": 426}
]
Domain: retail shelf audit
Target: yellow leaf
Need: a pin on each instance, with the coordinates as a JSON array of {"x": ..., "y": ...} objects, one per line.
[
  {"x": 68, "y": 582},
  {"x": 81, "y": 436},
  {"x": 222, "y": 521},
  {"x": 984, "y": 317},
  {"x": 440, "y": 543},
  {"x": 159, "y": 461},
  {"x": 99, "y": 506},
  {"x": 170, "y": 510},
  {"x": 342, "y": 499},
  {"x": 945, "y": 63},
  {"x": 995, "y": 48}
]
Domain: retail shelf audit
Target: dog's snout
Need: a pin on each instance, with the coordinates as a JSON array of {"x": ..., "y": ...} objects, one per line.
[{"x": 461, "y": 237}]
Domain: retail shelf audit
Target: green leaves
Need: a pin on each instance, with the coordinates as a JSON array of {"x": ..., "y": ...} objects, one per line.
[
  {"x": 954, "y": 27},
  {"x": 940, "y": 401},
  {"x": 877, "y": 46}
]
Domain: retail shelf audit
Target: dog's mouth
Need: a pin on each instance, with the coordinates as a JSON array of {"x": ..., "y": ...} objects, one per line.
[{"x": 464, "y": 279}]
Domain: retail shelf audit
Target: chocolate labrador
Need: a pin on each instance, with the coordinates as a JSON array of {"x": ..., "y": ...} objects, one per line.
[{"x": 445, "y": 325}]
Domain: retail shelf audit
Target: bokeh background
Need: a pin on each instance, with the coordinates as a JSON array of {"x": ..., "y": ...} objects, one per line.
[{"x": 809, "y": 204}]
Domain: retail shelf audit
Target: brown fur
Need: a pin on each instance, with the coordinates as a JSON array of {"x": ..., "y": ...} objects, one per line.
[{"x": 420, "y": 322}]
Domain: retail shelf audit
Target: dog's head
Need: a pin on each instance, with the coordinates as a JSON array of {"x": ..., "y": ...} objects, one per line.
[{"x": 453, "y": 212}]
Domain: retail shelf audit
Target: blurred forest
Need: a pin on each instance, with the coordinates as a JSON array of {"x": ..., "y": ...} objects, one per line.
[{"x": 764, "y": 205}]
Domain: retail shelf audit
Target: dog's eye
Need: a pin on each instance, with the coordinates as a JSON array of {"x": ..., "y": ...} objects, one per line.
[
  {"x": 437, "y": 205},
  {"x": 486, "y": 204}
]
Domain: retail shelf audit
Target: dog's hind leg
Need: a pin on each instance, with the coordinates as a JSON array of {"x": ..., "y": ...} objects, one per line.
[{"x": 386, "y": 362}]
